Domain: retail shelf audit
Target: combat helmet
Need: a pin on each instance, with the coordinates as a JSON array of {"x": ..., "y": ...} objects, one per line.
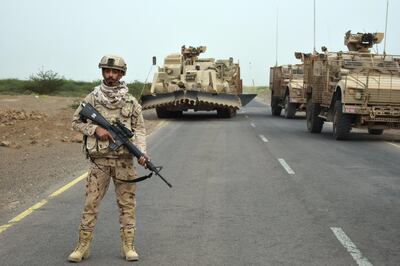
[{"x": 114, "y": 62}]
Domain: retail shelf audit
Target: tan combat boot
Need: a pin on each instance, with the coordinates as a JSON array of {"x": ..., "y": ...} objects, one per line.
[
  {"x": 128, "y": 249},
  {"x": 82, "y": 250}
]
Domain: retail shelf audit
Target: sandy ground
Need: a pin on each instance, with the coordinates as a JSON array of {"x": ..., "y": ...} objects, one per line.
[{"x": 38, "y": 149}]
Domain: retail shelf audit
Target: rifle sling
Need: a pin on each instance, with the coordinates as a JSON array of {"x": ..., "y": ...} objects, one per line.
[{"x": 139, "y": 179}]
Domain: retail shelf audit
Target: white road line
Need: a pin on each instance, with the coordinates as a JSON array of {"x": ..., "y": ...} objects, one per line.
[
  {"x": 286, "y": 166},
  {"x": 253, "y": 125},
  {"x": 393, "y": 144},
  {"x": 350, "y": 246},
  {"x": 263, "y": 138}
]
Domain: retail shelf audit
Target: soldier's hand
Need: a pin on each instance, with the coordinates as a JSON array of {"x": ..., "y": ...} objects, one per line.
[
  {"x": 103, "y": 134},
  {"x": 143, "y": 159}
]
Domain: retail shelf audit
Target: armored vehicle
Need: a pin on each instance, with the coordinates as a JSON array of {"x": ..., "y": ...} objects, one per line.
[
  {"x": 286, "y": 84},
  {"x": 352, "y": 89},
  {"x": 187, "y": 82}
]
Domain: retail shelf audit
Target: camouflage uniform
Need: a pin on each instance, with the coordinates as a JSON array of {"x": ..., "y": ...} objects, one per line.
[{"x": 107, "y": 164}]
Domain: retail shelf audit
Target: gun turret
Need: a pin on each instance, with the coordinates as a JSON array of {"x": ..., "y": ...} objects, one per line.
[
  {"x": 362, "y": 42},
  {"x": 192, "y": 52}
]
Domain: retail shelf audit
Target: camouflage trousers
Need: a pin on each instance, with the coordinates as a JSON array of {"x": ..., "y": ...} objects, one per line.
[{"x": 97, "y": 182}]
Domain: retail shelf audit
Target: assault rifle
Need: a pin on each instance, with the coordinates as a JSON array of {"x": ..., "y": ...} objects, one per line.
[{"x": 121, "y": 136}]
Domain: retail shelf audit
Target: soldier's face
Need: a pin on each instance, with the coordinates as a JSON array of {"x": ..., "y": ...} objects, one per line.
[{"x": 112, "y": 76}]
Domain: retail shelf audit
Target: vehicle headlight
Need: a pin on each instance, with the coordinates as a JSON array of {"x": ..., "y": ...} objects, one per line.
[{"x": 358, "y": 95}]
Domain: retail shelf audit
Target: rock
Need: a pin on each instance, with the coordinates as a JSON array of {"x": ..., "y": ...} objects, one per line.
[
  {"x": 34, "y": 141},
  {"x": 16, "y": 145},
  {"x": 12, "y": 205},
  {"x": 9, "y": 116},
  {"x": 5, "y": 143},
  {"x": 77, "y": 138}
]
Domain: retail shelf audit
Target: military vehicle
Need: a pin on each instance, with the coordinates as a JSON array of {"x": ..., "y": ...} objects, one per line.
[
  {"x": 352, "y": 89},
  {"x": 286, "y": 84},
  {"x": 187, "y": 82}
]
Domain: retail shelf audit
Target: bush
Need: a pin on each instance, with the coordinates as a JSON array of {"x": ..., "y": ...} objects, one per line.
[
  {"x": 14, "y": 86},
  {"x": 45, "y": 82},
  {"x": 136, "y": 87},
  {"x": 48, "y": 82}
]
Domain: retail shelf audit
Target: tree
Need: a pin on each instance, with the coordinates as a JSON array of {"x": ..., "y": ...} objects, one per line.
[{"x": 45, "y": 82}]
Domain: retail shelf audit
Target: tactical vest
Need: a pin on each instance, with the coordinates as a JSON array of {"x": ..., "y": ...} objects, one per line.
[{"x": 98, "y": 148}]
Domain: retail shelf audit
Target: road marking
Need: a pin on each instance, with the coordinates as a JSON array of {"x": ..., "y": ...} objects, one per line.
[
  {"x": 4, "y": 227},
  {"x": 41, "y": 203},
  {"x": 22, "y": 215},
  {"x": 25, "y": 213},
  {"x": 69, "y": 185},
  {"x": 253, "y": 125},
  {"x": 393, "y": 144},
  {"x": 286, "y": 166},
  {"x": 350, "y": 246},
  {"x": 263, "y": 138}
]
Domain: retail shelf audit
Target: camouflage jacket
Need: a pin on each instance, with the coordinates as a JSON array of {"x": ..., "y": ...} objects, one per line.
[{"x": 130, "y": 114}]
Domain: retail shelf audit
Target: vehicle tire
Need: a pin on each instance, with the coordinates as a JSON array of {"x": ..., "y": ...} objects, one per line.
[
  {"x": 275, "y": 108},
  {"x": 220, "y": 113},
  {"x": 232, "y": 112},
  {"x": 162, "y": 113},
  {"x": 341, "y": 122},
  {"x": 290, "y": 108},
  {"x": 375, "y": 131},
  {"x": 176, "y": 114},
  {"x": 226, "y": 112},
  {"x": 314, "y": 122}
]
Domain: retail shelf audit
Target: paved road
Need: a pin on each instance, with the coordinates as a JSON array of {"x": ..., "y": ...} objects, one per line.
[{"x": 253, "y": 190}]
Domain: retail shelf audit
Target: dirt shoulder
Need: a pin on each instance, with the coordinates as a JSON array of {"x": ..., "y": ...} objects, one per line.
[{"x": 38, "y": 149}]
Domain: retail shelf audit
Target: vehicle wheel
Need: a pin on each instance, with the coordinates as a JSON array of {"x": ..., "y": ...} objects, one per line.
[
  {"x": 222, "y": 113},
  {"x": 375, "y": 131},
  {"x": 290, "y": 108},
  {"x": 314, "y": 122},
  {"x": 232, "y": 112},
  {"x": 341, "y": 122},
  {"x": 162, "y": 113},
  {"x": 275, "y": 108},
  {"x": 176, "y": 113},
  {"x": 226, "y": 112}
]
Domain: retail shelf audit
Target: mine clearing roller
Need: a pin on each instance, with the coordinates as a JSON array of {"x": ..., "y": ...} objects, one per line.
[
  {"x": 354, "y": 89},
  {"x": 187, "y": 82}
]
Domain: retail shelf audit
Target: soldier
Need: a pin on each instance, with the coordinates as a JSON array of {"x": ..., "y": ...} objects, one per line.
[{"x": 112, "y": 100}]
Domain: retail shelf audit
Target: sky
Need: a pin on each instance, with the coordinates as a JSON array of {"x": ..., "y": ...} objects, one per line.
[{"x": 70, "y": 37}]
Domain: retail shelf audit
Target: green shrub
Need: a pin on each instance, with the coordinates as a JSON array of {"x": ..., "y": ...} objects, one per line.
[
  {"x": 14, "y": 86},
  {"x": 45, "y": 82},
  {"x": 136, "y": 88},
  {"x": 52, "y": 84}
]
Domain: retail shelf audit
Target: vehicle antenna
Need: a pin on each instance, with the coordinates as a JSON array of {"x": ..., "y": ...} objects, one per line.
[
  {"x": 276, "y": 38},
  {"x": 387, "y": 11}
]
